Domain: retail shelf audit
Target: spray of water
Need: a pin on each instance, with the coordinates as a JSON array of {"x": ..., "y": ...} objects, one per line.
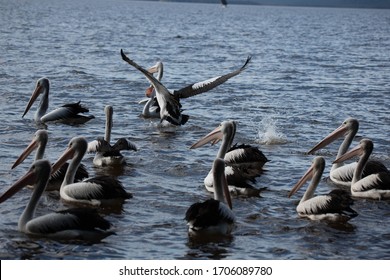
[{"x": 268, "y": 133}]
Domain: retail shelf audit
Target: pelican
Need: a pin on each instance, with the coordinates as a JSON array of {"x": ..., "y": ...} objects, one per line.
[
  {"x": 335, "y": 206},
  {"x": 244, "y": 162},
  {"x": 169, "y": 102},
  {"x": 374, "y": 186},
  {"x": 342, "y": 174},
  {"x": 105, "y": 153},
  {"x": 214, "y": 216},
  {"x": 151, "y": 108},
  {"x": 70, "y": 224},
  {"x": 95, "y": 191},
  {"x": 39, "y": 142},
  {"x": 67, "y": 114}
]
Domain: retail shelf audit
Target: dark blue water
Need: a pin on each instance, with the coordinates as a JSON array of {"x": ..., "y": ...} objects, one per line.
[{"x": 311, "y": 68}]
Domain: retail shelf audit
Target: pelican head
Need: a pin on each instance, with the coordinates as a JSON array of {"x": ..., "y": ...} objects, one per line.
[
  {"x": 39, "y": 171},
  {"x": 159, "y": 69},
  {"x": 225, "y": 128},
  {"x": 348, "y": 126},
  {"x": 41, "y": 86},
  {"x": 77, "y": 148},
  {"x": 317, "y": 167},
  {"x": 365, "y": 146},
  {"x": 39, "y": 139}
]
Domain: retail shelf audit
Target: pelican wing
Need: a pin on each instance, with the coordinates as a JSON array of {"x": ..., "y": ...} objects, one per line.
[
  {"x": 207, "y": 85},
  {"x": 68, "y": 112},
  {"x": 69, "y": 219},
  {"x": 99, "y": 145},
  {"x": 106, "y": 187},
  {"x": 379, "y": 181},
  {"x": 337, "y": 201},
  {"x": 373, "y": 167},
  {"x": 245, "y": 154},
  {"x": 156, "y": 83},
  {"x": 209, "y": 213},
  {"x": 343, "y": 173},
  {"x": 124, "y": 144}
]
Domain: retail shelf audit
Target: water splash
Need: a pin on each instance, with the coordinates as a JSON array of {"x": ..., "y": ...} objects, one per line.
[{"x": 268, "y": 133}]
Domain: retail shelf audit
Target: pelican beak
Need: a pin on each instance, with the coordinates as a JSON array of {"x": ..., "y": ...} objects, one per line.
[
  {"x": 356, "y": 151},
  {"x": 337, "y": 133},
  {"x": 214, "y": 137},
  {"x": 33, "y": 97},
  {"x": 307, "y": 176},
  {"x": 28, "y": 179},
  {"x": 68, "y": 154},
  {"x": 153, "y": 69},
  {"x": 149, "y": 91},
  {"x": 31, "y": 147}
]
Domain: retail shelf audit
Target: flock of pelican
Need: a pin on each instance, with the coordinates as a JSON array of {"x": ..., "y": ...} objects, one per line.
[{"x": 234, "y": 170}]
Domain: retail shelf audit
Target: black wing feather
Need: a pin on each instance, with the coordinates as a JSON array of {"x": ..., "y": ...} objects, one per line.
[{"x": 205, "y": 86}]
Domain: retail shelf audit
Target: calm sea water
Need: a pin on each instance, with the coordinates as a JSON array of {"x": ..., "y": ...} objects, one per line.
[{"x": 311, "y": 68}]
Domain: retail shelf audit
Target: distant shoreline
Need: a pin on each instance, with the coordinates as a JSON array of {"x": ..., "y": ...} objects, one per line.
[{"x": 367, "y": 4}]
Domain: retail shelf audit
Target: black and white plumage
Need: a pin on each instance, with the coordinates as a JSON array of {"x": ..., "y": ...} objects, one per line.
[
  {"x": 341, "y": 174},
  {"x": 70, "y": 113},
  {"x": 151, "y": 108},
  {"x": 105, "y": 153},
  {"x": 72, "y": 224},
  {"x": 213, "y": 216},
  {"x": 95, "y": 191},
  {"x": 373, "y": 186},
  {"x": 39, "y": 143},
  {"x": 243, "y": 162},
  {"x": 335, "y": 206},
  {"x": 169, "y": 102}
]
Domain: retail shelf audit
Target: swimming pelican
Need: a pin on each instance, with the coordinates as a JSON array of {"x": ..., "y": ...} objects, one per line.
[
  {"x": 95, "y": 191},
  {"x": 335, "y": 206},
  {"x": 169, "y": 102},
  {"x": 105, "y": 153},
  {"x": 342, "y": 174},
  {"x": 70, "y": 224},
  {"x": 214, "y": 216},
  {"x": 243, "y": 162},
  {"x": 374, "y": 186},
  {"x": 67, "y": 114},
  {"x": 39, "y": 142}
]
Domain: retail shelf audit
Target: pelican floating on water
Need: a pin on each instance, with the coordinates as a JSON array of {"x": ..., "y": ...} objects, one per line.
[
  {"x": 67, "y": 114},
  {"x": 79, "y": 224},
  {"x": 243, "y": 162},
  {"x": 95, "y": 191},
  {"x": 335, "y": 206},
  {"x": 214, "y": 216},
  {"x": 169, "y": 102},
  {"x": 342, "y": 174},
  {"x": 107, "y": 154},
  {"x": 374, "y": 186},
  {"x": 39, "y": 142}
]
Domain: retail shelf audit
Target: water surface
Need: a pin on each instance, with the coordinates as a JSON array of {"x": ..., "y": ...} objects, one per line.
[{"x": 311, "y": 68}]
